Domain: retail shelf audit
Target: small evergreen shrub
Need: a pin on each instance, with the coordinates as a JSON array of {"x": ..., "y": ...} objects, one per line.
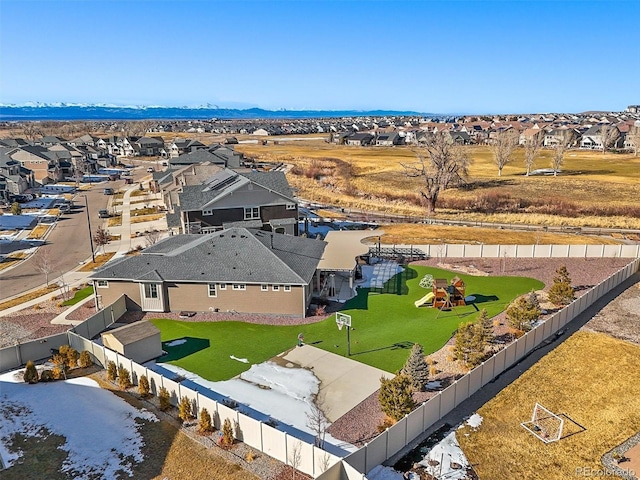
[
  {"x": 72, "y": 357},
  {"x": 85, "y": 359},
  {"x": 205, "y": 425},
  {"x": 227, "y": 440},
  {"x": 561, "y": 292},
  {"x": 165, "y": 399},
  {"x": 416, "y": 368},
  {"x": 112, "y": 371},
  {"x": 396, "y": 396},
  {"x": 30, "y": 373},
  {"x": 47, "y": 376},
  {"x": 124, "y": 378},
  {"x": 184, "y": 409},
  {"x": 144, "y": 389}
]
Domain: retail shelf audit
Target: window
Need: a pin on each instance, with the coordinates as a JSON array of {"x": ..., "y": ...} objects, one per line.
[
  {"x": 287, "y": 288},
  {"x": 291, "y": 206},
  {"x": 239, "y": 286},
  {"x": 275, "y": 288},
  {"x": 212, "y": 289},
  {"x": 150, "y": 290},
  {"x": 222, "y": 286},
  {"x": 252, "y": 213},
  {"x": 264, "y": 287},
  {"x": 207, "y": 213},
  {"x": 103, "y": 284}
]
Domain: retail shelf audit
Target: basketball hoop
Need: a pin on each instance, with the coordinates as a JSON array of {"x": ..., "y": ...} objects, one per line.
[
  {"x": 340, "y": 325},
  {"x": 342, "y": 319}
]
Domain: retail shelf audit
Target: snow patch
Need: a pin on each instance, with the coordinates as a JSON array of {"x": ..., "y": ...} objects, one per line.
[
  {"x": 51, "y": 406},
  {"x": 433, "y": 385},
  {"x": 384, "y": 473},
  {"x": 243, "y": 360},
  {"x": 446, "y": 452},
  {"x": 475, "y": 420}
]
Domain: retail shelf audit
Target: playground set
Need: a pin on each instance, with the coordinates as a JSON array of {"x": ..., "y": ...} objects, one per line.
[{"x": 445, "y": 295}]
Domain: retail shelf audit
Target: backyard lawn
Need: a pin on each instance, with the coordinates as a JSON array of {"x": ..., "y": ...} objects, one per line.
[{"x": 385, "y": 324}]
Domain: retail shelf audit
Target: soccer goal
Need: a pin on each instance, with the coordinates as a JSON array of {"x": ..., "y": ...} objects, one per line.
[{"x": 545, "y": 424}]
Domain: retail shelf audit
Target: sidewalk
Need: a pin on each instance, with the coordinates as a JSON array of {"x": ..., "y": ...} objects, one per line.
[{"x": 75, "y": 278}]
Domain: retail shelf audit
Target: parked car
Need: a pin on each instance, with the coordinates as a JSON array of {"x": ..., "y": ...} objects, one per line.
[
  {"x": 150, "y": 170},
  {"x": 103, "y": 213},
  {"x": 64, "y": 207},
  {"x": 108, "y": 191}
]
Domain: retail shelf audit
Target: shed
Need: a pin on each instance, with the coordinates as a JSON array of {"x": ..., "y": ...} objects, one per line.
[{"x": 139, "y": 341}]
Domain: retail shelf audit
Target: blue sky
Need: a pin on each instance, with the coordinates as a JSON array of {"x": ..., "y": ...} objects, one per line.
[{"x": 453, "y": 56}]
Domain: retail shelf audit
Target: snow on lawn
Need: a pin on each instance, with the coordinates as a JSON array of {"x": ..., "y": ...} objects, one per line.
[
  {"x": 375, "y": 276},
  {"x": 99, "y": 427},
  {"x": 448, "y": 451},
  {"x": 285, "y": 394}
]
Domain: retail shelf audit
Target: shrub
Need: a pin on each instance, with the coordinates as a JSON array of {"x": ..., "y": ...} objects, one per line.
[
  {"x": 60, "y": 366},
  {"x": 433, "y": 370},
  {"x": 470, "y": 343},
  {"x": 395, "y": 396},
  {"x": 184, "y": 409},
  {"x": 416, "y": 368},
  {"x": 521, "y": 313},
  {"x": 85, "y": 359},
  {"x": 561, "y": 292},
  {"x": 487, "y": 326},
  {"x": 165, "y": 399},
  {"x": 124, "y": 378},
  {"x": 250, "y": 456},
  {"x": 63, "y": 349},
  {"x": 226, "y": 440},
  {"x": 144, "y": 389},
  {"x": 47, "y": 376},
  {"x": 112, "y": 371},
  {"x": 72, "y": 357},
  {"x": 30, "y": 373},
  {"x": 205, "y": 425},
  {"x": 388, "y": 422}
]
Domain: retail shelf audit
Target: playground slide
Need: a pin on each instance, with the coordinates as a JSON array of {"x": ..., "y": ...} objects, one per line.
[{"x": 426, "y": 299}]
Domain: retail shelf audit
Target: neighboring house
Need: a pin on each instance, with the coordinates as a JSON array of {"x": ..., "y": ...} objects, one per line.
[
  {"x": 216, "y": 154},
  {"x": 14, "y": 177},
  {"x": 558, "y": 136},
  {"x": 84, "y": 140},
  {"x": 255, "y": 199},
  {"x": 13, "y": 142},
  {"x": 359, "y": 139},
  {"x": 181, "y": 146},
  {"x": 458, "y": 138},
  {"x": 237, "y": 269},
  {"x": 38, "y": 159},
  {"x": 139, "y": 341},
  {"x": 50, "y": 140},
  {"x": 150, "y": 147},
  {"x": 389, "y": 139},
  {"x": 594, "y": 136},
  {"x": 531, "y": 135}
]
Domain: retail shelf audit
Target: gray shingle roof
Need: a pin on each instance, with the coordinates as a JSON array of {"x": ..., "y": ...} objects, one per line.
[
  {"x": 275, "y": 181},
  {"x": 237, "y": 255}
]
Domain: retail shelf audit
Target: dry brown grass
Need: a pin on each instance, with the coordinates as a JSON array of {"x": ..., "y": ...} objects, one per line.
[
  {"x": 26, "y": 297},
  {"x": 147, "y": 218},
  {"x": 589, "y": 379},
  {"x": 100, "y": 260},
  {"x": 376, "y": 182},
  {"x": 115, "y": 221},
  {"x": 12, "y": 259},
  {"x": 38, "y": 232},
  {"x": 416, "y": 234}
]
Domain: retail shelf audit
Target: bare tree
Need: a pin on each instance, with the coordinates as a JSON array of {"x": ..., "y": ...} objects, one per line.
[
  {"x": 532, "y": 147},
  {"x": 317, "y": 422},
  {"x": 44, "y": 263},
  {"x": 503, "y": 147},
  {"x": 101, "y": 237},
  {"x": 634, "y": 137},
  {"x": 31, "y": 130},
  {"x": 295, "y": 457},
  {"x": 557, "y": 159},
  {"x": 444, "y": 166},
  {"x": 608, "y": 134},
  {"x": 152, "y": 237}
]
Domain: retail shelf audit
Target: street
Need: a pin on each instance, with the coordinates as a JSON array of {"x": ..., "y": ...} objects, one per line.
[{"x": 68, "y": 243}]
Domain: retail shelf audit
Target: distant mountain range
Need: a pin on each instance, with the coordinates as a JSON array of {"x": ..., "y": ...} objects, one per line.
[{"x": 74, "y": 111}]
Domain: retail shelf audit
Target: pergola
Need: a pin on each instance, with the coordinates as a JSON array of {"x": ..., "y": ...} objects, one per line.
[{"x": 342, "y": 250}]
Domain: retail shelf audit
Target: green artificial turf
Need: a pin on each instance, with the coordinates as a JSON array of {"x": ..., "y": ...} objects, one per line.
[
  {"x": 79, "y": 296},
  {"x": 385, "y": 324}
]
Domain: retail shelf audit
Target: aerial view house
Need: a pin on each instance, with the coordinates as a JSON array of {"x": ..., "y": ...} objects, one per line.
[
  {"x": 237, "y": 269},
  {"x": 217, "y": 154},
  {"x": 181, "y": 146},
  {"x": 150, "y": 146},
  {"x": 599, "y": 134},
  {"x": 228, "y": 198},
  {"x": 44, "y": 165}
]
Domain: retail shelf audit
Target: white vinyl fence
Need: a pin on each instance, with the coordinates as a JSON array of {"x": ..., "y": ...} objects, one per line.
[{"x": 397, "y": 437}]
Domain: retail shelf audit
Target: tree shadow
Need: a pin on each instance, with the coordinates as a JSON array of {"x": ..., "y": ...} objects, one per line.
[
  {"x": 483, "y": 298},
  {"x": 181, "y": 349},
  {"x": 406, "y": 345},
  {"x": 481, "y": 184}
]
